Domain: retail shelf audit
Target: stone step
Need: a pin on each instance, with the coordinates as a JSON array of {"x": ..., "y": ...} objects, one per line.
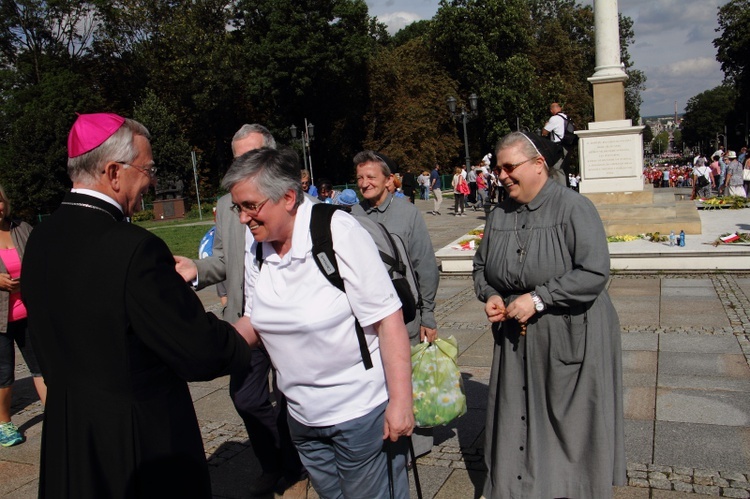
[
  {"x": 641, "y": 219},
  {"x": 633, "y": 227}
]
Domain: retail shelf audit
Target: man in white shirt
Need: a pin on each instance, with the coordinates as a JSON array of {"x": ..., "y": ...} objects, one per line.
[{"x": 555, "y": 129}]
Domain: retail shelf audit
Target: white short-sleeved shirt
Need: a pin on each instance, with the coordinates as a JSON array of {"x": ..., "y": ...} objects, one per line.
[
  {"x": 556, "y": 127},
  {"x": 307, "y": 324}
]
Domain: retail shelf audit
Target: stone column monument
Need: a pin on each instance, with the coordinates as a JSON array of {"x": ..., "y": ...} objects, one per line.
[{"x": 611, "y": 150}]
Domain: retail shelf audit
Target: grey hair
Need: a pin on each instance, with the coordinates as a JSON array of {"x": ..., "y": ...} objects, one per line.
[
  {"x": 86, "y": 168},
  {"x": 520, "y": 140},
  {"x": 369, "y": 156},
  {"x": 274, "y": 171},
  {"x": 245, "y": 130},
  {"x": 5, "y": 199}
]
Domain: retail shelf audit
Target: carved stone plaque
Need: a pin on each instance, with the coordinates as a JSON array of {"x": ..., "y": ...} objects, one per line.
[{"x": 609, "y": 157}]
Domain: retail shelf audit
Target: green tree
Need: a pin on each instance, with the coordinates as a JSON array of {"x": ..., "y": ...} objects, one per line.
[
  {"x": 33, "y": 154},
  {"x": 170, "y": 148},
  {"x": 648, "y": 135},
  {"x": 677, "y": 141},
  {"x": 660, "y": 143},
  {"x": 183, "y": 53},
  {"x": 405, "y": 123},
  {"x": 733, "y": 46},
  {"x": 308, "y": 59},
  {"x": 482, "y": 47},
  {"x": 564, "y": 31},
  {"x": 706, "y": 115},
  {"x": 44, "y": 47},
  {"x": 636, "y": 81},
  {"x": 414, "y": 30}
]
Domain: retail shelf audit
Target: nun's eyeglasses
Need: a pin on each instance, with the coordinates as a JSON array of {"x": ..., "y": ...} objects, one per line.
[{"x": 510, "y": 168}]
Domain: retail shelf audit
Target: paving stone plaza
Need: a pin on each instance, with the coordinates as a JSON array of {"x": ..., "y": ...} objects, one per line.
[{"x": 686, "y": 359}]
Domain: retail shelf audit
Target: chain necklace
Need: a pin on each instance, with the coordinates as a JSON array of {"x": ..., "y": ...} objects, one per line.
[
  {"x": 521, "y": 247},
  {"x": 383, "y": 212},
  {"x": 91, "y": 206}
]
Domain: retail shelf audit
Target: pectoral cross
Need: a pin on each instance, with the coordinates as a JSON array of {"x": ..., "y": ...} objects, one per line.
[{"x": 521, "y": 253}]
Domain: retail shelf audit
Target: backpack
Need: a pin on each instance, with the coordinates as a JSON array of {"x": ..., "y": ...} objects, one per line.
[
  {"x": 569, "y": 138},
  {"x": 392, "y": 252},
  {"x": 701, "y": 180}
]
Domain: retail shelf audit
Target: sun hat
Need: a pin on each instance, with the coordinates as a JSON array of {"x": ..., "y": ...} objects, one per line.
[
  {"x": 347, "y": 197},
  {"x": 731, "y": 155},
  {"x": 91, "y": 130}
]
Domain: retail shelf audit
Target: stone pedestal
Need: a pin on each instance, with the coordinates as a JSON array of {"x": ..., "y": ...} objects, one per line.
[
  {"x": 609, "y": 100},
  {"x": 611, "y": 157},
  {"x": 649, "y": 210},
  {"x": 611, "y": 162}
]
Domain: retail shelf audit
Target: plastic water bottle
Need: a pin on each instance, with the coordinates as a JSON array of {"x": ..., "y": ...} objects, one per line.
[
  {"x": 682, "y": 238},
  {"x": 671, "y": 238}
]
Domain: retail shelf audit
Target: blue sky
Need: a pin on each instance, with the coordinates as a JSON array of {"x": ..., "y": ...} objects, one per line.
[{"x": 673, "y": 44}]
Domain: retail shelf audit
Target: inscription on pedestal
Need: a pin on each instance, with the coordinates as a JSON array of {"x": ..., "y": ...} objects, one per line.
[{"x": 609, "y": 157}]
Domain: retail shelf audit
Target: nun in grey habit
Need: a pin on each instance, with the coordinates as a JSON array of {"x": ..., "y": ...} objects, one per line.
[{"x": 554, "y": 415}]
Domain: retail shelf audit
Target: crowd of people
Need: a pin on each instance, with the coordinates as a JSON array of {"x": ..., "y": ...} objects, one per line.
[
  {"x": 725, "y": 173},
  {"x": 113, "y": 353}
]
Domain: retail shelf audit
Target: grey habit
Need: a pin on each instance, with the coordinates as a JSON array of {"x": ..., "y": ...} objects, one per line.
[{"x": 554, "y": 413}]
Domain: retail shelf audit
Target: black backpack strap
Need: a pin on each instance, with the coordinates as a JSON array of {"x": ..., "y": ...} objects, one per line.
[
  {"x": 325, "y": 258},
  {"x": 259, "y": 254},
  {"x": 322, "y": 243}
]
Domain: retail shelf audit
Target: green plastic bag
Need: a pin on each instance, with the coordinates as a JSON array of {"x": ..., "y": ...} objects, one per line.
[{"x": 437, "y": 387}]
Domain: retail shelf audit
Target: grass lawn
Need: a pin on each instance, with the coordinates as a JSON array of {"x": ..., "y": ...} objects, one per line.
[{"x": 183, "y": 239}]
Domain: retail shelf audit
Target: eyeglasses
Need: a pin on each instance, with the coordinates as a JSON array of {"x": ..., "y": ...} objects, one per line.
[
  {"x": 150, "y": 171},
  {"x": 510, "y": 168},
  {"x": 249, "y": 208}
]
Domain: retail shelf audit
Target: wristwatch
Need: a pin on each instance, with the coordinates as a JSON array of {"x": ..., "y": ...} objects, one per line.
[{"x": 538, "y": 304}]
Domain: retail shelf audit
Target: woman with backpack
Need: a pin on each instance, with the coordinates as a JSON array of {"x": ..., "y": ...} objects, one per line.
[
  {"x": 460, "y": 190},
  {"x": 703, "y": 181},
  {"x": 340, "y": 413}
]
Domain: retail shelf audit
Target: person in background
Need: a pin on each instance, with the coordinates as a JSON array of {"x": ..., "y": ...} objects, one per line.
[
  {"x": 13, "y": 322},
  {"x": 117, "y": 332},
  {"x": 723, "y": 163},
  {"x": 733, "y": 185},
  {"x": 555, "y": 423},
  {"x": 742, "y": 156},
  {"x": 555, "y": 130},
  {"x": 471, "y": 179},
  {"x": 459, "y": 198},
  {"x": 482, "y": 179},
  {"x": 436, "y": 186},
  {"x": 347, "y": 199},
  {"x": 374, "y": 175},
  {"x": 715, "y": 172},
  {"x": 408, "y": 185},
  {"x": 339, "y": 412},
  {"x": 424, "y": 185},
  {"x": 394, "y": 186},
  {"x": 307, "y": 185},
  {"x": 699, "y": 172},
  {"x": 326, "y": 193}
]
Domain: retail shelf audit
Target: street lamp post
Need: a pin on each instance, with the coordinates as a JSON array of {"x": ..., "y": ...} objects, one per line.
[
  {"x": 308, "y": 135},
  {"x": 724, "y": 136},
  {"x": 465, "y": 115}
]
